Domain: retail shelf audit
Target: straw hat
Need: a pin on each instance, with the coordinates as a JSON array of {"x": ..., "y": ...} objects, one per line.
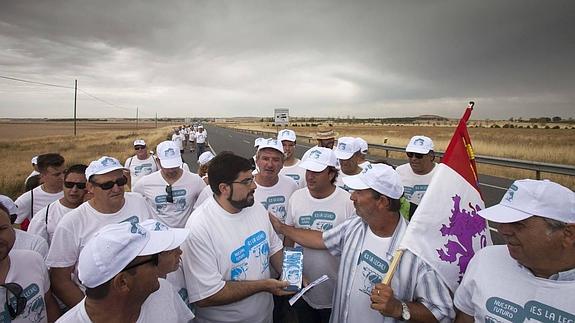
[{"x": 325, "y": 132}]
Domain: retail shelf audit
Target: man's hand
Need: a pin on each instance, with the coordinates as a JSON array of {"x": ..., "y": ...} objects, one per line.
[
  {"x": 383, "y": 301},
  {"x": 276, "y": 287},
  {"x": 276, "y": 223}
]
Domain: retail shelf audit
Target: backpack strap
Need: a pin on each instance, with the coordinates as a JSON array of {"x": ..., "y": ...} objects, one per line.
[{"x": 47, "y": 208}]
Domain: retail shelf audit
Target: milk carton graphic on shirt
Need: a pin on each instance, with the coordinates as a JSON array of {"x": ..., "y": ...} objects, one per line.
[
  {"x": 277, "y": 206},
  {"x": 318, "y": 220},
  {"x": 253, "y": 255},
  {"x": 373, "y": 270}
]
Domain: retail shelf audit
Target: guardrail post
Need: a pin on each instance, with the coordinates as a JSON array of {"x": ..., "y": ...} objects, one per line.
[{"x": 538, "y": 174}]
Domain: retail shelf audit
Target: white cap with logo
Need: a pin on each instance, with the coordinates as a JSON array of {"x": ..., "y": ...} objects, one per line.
[
  {"x": 103, "y": 165},
  {"x": 205, "y": 157},
  {"x": 169, "y": 154},
  {"x": 258, "y": 141},
  {"x": 363, "y": 146},
  {"x": 139, "y": 142},
  {"x": 9, "y": 204},
  {"x": 34, "y": 160},
  {"x": 346, "y": 147},
  {"x": 177, "y": 236},
  {"x": 528, "y": 197},
  {"x": 114, "y": 247},
  {"x": 286, "y": 134},
  {"x": 379, "y": 177},
  {"x": 318, "y": 159},
  {"x": 419, "y": 145},
  {"x": 271, "y": 143}
]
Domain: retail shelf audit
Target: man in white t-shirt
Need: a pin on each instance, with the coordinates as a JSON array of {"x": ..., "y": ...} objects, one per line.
[
  {"x": 291, "y": 166},
  {"x": 320, "y": 206},
  {"x": 110, "y": 204},
  {"x": 192, "y": 139},
  {"x": 141, "y": 164},
  {"x": 533, "y": 277},
  {"x": 44, "y": 222},
  {"x": 416, "y": 175},
  {"x": 227, "y": 256},
  {"x": 51, "y": 167},
  {"x": 201, "y": 138},
  {"x": 119, "y": 267},
  {"x": 24, "y": 279},
  {"x": 348, "y": 153},
  {"x": 172, "y": 192},
  {"x": 366, "y": 244},
  {"x": 178, "y": 139}
]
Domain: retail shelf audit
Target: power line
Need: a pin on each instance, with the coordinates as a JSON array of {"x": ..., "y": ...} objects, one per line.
[{"x": 34, "y": 82}]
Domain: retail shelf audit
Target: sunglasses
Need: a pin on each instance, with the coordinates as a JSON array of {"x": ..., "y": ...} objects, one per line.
[
  {"x": 246, "y": 181},
  {"x": 416, "y": 155},
  {"x": 79, "y": 185},
  {"x": 108, "y": 185},
  {"x": 154, "y": 260},
  {"x": 139, "y": 147},
  {"x": 18, "y": 300},
  {"x": 170, "y": 196}
]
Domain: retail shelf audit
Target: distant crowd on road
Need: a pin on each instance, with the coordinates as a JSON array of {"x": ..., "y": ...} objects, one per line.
[{"x": 150, "y": 241}]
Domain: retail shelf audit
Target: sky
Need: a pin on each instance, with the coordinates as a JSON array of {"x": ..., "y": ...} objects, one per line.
[{"x": 321, "y": 58}]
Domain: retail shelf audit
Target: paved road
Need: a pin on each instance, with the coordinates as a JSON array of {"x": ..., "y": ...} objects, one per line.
[{"x": 221, "y": 139}]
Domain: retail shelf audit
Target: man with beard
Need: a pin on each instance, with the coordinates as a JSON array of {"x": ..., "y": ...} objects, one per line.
[
  {"x": 44, "y": 222},
  {"x": 228, "y": 253},
  {"x": 110, "y": 204}
]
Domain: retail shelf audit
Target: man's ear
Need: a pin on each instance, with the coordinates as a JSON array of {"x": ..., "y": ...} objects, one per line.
[
  {"x": 224, "y": 189},
  {"x": 569, "y": 235},
  {"x": 121, "y": 282}
]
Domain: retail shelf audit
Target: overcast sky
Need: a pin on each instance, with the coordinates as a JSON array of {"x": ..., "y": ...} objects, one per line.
[{"x": 318, "y": 58}]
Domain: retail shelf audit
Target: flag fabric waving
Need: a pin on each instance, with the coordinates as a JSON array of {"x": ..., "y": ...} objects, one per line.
[{"x": 445, "y": 230}]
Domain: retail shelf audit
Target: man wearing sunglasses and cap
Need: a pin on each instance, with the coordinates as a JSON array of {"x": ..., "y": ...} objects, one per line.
[
  {"x": 532, "y": 277},
  {"x": 110, "y": 204},
  {"x": 366, "y": 244},
  {"x": 119, "y": 267},
  {"x": 142, "y": 163},
  {"x": 417, "y": 173},
  {"x": 44, "y": 222},
  {"x": 24, "y": 280}
]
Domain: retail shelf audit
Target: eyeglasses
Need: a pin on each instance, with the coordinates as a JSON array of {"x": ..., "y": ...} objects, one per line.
[
  {"x": 108, "y": 185},
  {"x": 139, "y": 147},
  {"x": 79, "y": 185},
  {"x": 416, "y": 155},
  {"x": 170, "y": 196},
  {"x": 21, "y": 301},
  {"x": 154, "y": 260},
  {"x": 246, "y": 181}
]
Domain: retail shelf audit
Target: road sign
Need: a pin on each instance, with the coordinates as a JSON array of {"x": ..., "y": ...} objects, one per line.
[{"x": 281, "y": 116}]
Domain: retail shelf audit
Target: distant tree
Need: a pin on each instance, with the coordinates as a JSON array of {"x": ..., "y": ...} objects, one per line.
[
  {"x": 535, "y": 126},
  {"x": 556, "y": 119}
]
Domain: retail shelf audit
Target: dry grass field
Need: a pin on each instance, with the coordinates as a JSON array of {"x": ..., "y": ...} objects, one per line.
[
  {"x": 555, "y": 146},
  {"x": 19, "y": 142}
]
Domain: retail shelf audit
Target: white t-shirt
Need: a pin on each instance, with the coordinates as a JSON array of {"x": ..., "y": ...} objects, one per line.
[
  {"x": 496, "y": 288},
  {"x": 223, "y": 247},
  {"x": 44, "y": 226},
  {"x": 140, "y": 168},
  {"x": 78, "y": 226},
  {"x": 204, "y": 195},
  {"x": 41, "y": 199},
  {"x": 29, "y": 241},
  {"x": 201, "y": 137},
  {"x": 27, "y": 269},
  {"x": 178, "y": 281},
  {"x": 192, "y": 135},
  {"x": 373, "y": 265},
  {"x": 307, "y": 212},
  {"x": 414, "y": 186},
  {"x": 185, "y": 191},
  {"x": 178, "y": 139},
  {"x": 163, "y": 305},
  {"x": 296, "y": 173},
  {"x": 275, "y": 198}
]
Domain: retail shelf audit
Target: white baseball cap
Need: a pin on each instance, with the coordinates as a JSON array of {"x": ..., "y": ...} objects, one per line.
[
  {"x": 271, "y": 143},
  {"x": 346, "y": 147},
  {"x": 528, "y": 197},
  {"x": 380, "y": 177},
  {"x": 114, "y": 247},
  {"x": 139, "y": 142},
  {"x": 34, "y": 160},
  {"x": 258, "y": 141},
  {"x": 363, "y": 146},
  {"x": 205, "y": 157},
  {"x": 169, "y": 154},
  {"x": 103, "y": 165},
  {"x": 286, "y": 134},
  {"x": 176, "y": 235},
  {"x": 319, "y": 158},
  {"x": 419, "y": 144},
  {"x": 9, "y": 204}
]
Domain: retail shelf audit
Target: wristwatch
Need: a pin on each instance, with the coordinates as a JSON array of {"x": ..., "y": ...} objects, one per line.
[{"x": 405, "y": 315}]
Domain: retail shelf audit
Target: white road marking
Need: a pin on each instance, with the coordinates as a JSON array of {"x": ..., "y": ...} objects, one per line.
[
  {"x": 494, "y": 186},
  {"x": 247, "y": 142}
]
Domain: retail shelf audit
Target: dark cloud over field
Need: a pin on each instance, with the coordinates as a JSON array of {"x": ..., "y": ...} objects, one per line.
[{"x": 323, "y": 58}]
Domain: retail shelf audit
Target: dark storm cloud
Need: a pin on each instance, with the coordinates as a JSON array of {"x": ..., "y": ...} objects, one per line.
[{"x": 365, "y": 58}]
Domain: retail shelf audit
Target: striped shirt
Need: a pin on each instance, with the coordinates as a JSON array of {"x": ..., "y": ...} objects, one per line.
[{"x": 414, "y": 279}]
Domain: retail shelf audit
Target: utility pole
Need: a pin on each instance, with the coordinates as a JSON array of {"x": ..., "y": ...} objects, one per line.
[
  {"x": 75, "y": 97},
  {"x": 137, "y": 118},
  {"x": 156, "y": 120}
]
